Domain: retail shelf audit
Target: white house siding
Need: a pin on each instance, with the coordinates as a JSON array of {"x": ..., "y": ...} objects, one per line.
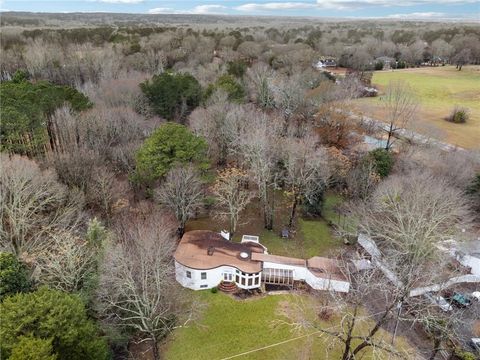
[
  {"x": 301, "y": 273},
  {"x": 326, "y": 284},
  {"x": 213, "y": 278},
  {"x": 298, "y": 271}
]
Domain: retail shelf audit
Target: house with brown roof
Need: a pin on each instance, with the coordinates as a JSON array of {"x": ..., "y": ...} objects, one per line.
[{"x": 205, "y": 259}]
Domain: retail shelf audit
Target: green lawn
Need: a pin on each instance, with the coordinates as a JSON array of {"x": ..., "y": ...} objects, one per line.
[
  {"x": 228, "y": 327},
  {"x": 438, "y": 90},
  {"x": 313, "y": 236},
  {"x": 331, "y": 201}
]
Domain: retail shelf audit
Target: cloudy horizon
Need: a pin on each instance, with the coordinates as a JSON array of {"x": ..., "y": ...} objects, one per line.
[{"x": 389, "y": 9}]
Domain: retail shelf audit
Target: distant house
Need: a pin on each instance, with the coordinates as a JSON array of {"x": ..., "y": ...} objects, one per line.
[
  {"x": 204, "y": 259},
  {"x": 325, "y": 62},
  {"x": 388, "y": 62},
  {"x": 435, "y": 61}
]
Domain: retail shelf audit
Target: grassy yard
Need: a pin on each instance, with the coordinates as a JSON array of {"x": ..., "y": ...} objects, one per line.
[
  {"x": 228, "y": 327},
  {"x": 438, "y": 90},
  {"x": 312, "y": 236}
]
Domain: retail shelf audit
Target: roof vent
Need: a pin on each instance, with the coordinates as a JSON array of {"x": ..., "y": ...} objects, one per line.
[
  {"x": 251, "y": 238},
  {"x": 244, "y": 255},
  {"x": 210, "y": 250}
]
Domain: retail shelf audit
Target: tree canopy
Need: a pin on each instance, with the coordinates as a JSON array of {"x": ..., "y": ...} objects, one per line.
[
  {"x": 25, "y": 109},
  {"x": 169, "y": 145},
  {"x": 383, "y": 161},
  {"x": 13, "y": 275},
  {"x": 172, "y": 96},
  {"x": 236, "y": 92},
  {"x": 32, "y": 348},
  {"x": 46, "y": 316}
]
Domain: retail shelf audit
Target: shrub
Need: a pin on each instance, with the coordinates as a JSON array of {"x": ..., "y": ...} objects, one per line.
[
  {"x": 465, "y": 355},
  {"x": 383, "y": 161},
  {"x": 172, "y": 96},
  {"x": 214, "y": 290},
  {"x": 234, "y": 90},
  {"x": 13, "y": 276},
  {"x": 459, "y": 115},
  {"x": 325, "y": 313},
  {"x": 169, "y": 145},
  {"x": 379, "y": 65},
  {"x": 49, "y": 315},
  {"x": 237, "y": 68},
  {"x": 32, "y": 348}
]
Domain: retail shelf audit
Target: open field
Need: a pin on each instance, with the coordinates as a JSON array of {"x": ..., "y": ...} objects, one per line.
[
  {"x": 228, "y": 327},
  {"x": 439, "y": 89}
]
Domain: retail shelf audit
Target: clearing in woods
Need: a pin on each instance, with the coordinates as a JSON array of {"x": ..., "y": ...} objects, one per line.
[{"x": 438, "y": 90}]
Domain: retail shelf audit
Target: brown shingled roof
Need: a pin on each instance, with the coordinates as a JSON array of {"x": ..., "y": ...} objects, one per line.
[
  {"x": 195, "y": 246},
  {"x": 325, "y": 268}
]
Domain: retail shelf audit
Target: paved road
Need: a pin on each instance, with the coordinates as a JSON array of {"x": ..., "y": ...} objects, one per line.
[{"x": 407, "y": 134}]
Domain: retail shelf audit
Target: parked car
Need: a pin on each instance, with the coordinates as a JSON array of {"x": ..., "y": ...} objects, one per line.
[
  {"x": 476, "y": 295},
  {"x": 461, "y": 300},
  {"x": 439, "y": 301}
]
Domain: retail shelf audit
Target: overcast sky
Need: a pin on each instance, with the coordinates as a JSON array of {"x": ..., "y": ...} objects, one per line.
[{"x": 401, "y": 9}]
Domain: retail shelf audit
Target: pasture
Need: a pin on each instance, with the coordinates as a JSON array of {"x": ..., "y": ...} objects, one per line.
[{"x": 438, "y": 90}]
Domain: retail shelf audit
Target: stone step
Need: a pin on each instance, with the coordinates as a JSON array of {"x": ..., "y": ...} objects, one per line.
[{"x": 227, "y": 287}]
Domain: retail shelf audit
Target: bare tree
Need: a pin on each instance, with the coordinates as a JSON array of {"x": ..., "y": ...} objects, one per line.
[
  {"x": 65, "y": 262},
  {"x": 409, "y": 215},
  {"x": 400, "y": 108},
  {"x": 136, "y": 289},
  {"x": 182, "y": 193},
  {"x": 211, "y": 123},
  {"x": 100, "y": 191},
  {"x": 289, "y": 95},
  {"x": 232, "y": 195},
  {"x": 441, "y": 49},
  {"x": 358, "y": 330},
  {"x": 463, "y": 57},
  {"x": 250, "y": 49},
  {"x": 259, "y": 147},
  {"x": 375, "y": 303},
  {"x": 32, "y": 205},
  {"x": 362, "y": 179},
  {"x": 260, "y": 76},
  {"x": 335, "y": 128},
  {"x": 439, "y": 325},
  {"x": 307, "y": 169},
  {"x": 413, "y": 53}
]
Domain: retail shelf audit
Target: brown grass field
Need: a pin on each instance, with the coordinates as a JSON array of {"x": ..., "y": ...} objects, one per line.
[{"x": 438, "y": 90}]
